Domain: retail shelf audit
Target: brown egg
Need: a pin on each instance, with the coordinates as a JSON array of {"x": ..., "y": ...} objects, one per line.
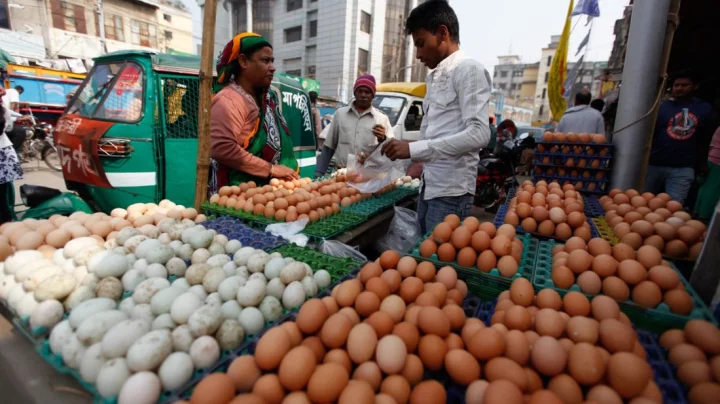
[
  {"x": 695, "y": 251},
  {"x": 576, "y": 304},
  {"x": 540, "y": 214},
  {"x": 546, "y": 228},
  {"x": 623, "y": 252},
  {"x": 392, "y": 278},
  {"x": 327, "y": 382},
  {"x": 647, "y": 294},
  {"x": 549, "y": 322},
  {"x": 670, "y": 338},
  {"x": 311, "y": 316},
  {"x": 574, "y": 243},
  {"x": 616, "y": 288},
  {"x": 214, "y": 388},
  {"x": 529, "y": 225},
  {"x": 676, "y": 249},
  {"x": 499, "y": 391},
  {"x": 664, "y": 277},
  {"x": 486, "y": 261},
  {"x": 589, "y": 283},
  {"x": 579, "y": 261},
  {"x": 521, "y": 292},
  {"x": 604, "y": 265},
  {"x": 688, "y": 234},
  {"x": 548, "y": 356},
  {"x": 685, "y": 352},
  {"x": 442, "y": 232},
  {"x": 562, "y": 277},
  {"x": 432, "y": 350},
  {"x": 382, "y": 322},
  {"x": 389, "y": 259},
  {"x": 704, "y": 335},
  {"x": 628, "y": 374},
  {"x": 603, "y": 394},
  {"x": 586, "y": 364},
  {"x": 296, "y": 368},
  {"x": 507, "y": 266},
  {"x": 480, "y": 240},
  {"x": 335, "y": 331},
  {"x": 271, "y": 348},
  {"x": 446, "y": 253},
  {"x": 460, "y": 237},
  {"x": 563, "y": 231},
  {"x": 506, "y": 369},
  {"x": 427, "y": 248},
  {"x": 485, "y": 343}
]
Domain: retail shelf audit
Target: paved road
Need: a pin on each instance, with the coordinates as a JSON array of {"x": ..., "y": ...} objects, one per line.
[{"x": 38, "y": 173}]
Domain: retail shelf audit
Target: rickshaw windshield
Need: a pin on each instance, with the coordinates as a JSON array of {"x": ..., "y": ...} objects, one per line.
[
  {"x": 113, "y": 92},
  {"x": 390, "y": 106}
]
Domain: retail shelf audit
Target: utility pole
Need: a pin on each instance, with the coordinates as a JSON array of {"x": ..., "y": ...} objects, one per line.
[
  {"x": 206, "y": 81},
  {"x": 409, "y": 47},
  {"x": 249, "y": 16},
  {"x": 101, "y": 25},
  {"x": 45, "y": 27},
  {"x": 642, "y": 87}
]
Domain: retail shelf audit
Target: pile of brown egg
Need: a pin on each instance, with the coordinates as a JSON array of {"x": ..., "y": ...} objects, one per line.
[
  {"x": 587, "y": 351},
  {"x": 371, "y": 341},
  {"x": 475, "y": 244},
  {"x": 695, "y": 352},
  {"x": 620, "y": 273},
  {"x": 289, "y": 200},
  {"x": 549, "y": 210},
  {"x": 581, "y": 138},
  {"x": 648, "y": 219}
]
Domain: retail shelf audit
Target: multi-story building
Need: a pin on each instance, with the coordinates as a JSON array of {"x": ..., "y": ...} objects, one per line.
[
  {"x": 529, "y": 82},
  {"x": 621, "y": 31},
  {"x": 396, "y": 45},
  {"x": 236, "y": 16},
  {"x": 333, "y": 41},
  {"x": 508, "y": 76},
  {"x": 72, "y": 28}
]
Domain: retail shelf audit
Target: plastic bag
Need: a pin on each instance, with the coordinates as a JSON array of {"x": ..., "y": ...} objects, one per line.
[
  {"x": 376, "y": 172},
  {"x": 341, "y": 250},
  {"x": 404, "y": 232},
  {"x": 290, "y": 231}
]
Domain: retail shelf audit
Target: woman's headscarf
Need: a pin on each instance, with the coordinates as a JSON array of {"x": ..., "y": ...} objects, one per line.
[{"x": 246, "y": 43}]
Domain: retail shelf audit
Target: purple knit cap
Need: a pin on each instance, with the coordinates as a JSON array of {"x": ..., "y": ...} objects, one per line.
[{"x": 366, "y": 80}]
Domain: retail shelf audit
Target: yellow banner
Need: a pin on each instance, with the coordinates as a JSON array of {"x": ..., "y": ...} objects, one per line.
[{"x": 558, "y": 71}]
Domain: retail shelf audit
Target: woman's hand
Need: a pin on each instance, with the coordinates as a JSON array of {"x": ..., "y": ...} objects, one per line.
[{"x": 283, "y": 173}]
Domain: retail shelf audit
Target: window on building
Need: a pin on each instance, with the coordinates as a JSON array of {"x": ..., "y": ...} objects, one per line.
[
  {"x": 4, "y": 15},
  {"x": 503, "y": 74},
  {"x": 296, "y": 73},
  {"x": 365, "y": 22},
  {"x": 312, "y": 23},
  {"x": 167, "y": 17},
  {"x": 363, "y": 61},
  {"x": 547, "y": 74},
  {"x": 549, "y": 60},
  {"x": 502, "y": 86},
  {"x": 168, "y": 35},
  {"x": 544, "y": 93},
  {"x": 514, "y": 86},
  {"x": 495, "y": 73},
  {"x": 310, "y": 72},
  {"x": 293, "y": 5},
  {"x": 143, "y": 34},
  {"x": 293, "y": 34},
  {"x": 517, "y": 73},
  {"x": 540, "y": 112},
  {"x": 68, "y": 17},
  {"x": 114, "y": 27}
]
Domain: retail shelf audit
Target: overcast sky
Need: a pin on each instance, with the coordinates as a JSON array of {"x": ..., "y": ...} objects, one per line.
[{"x": 492, "y": 28}]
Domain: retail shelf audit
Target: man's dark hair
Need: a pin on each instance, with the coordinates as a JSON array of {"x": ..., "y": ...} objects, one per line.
[
  {"x": 313, "y": 96},
  {"x": 20, "y": 89},
  {"x": 598, "y": 104},
  {"x": 583, "y": 98},
  {"x": 684, "y": 74},
  {"x": 430, "y": 16}
]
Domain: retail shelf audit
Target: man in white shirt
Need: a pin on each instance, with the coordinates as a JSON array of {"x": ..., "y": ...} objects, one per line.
[
  {"x": 456, "y": 123},
  {"x": 11, "y": 99},
  {"x": 356, "y": 129}
]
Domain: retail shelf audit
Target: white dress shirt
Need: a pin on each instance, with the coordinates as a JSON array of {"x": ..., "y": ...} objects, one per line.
[
  {"x": 350, "y": 132},
  {"x": 455, "y": 127}
]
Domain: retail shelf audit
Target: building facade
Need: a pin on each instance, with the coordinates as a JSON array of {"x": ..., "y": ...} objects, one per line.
[
  {"x": 508, "y": 76},
  {"x": 396, "y": 44},
  {"x": 72, "y": 28}
]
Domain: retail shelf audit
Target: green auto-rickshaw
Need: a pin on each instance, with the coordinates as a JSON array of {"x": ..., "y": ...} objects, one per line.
[{"x": 130, "y": 133}]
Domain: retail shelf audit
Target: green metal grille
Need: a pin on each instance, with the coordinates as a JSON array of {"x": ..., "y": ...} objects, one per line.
[{"x": 180, "y": 103}]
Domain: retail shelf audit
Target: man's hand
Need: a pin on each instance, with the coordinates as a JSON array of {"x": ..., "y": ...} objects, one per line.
[
  {"x": 379, "y": 133},
  {"x": 283, "y": 173},
  {"x": 396, "y": 149}
]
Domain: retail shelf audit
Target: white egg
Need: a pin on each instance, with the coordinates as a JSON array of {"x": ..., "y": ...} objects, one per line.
[
  {"x": 141, "y": 388},
  {"x": 112, "y": 377},
  {"x": 204, "y": 352},
  {"x": 182, "y": 339},
  {"x": 183, "y": 306},
  {"x": 176, "y": 370}
]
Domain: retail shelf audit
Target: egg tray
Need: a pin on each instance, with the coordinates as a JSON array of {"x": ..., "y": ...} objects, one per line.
[
  {"x": 318, "y": 260},
  {"x": 583, "y": 155},
  {"x": 485, "y": 285},
  {"x": 657, "y": 319},
  {"x": 376, "y": 204},
  {"x": 56, "y": 361},
  {"x": 500, "y": 220},
  {"x": 234, "y": 229},
  {"x": 672, "y": 389},
  {"x": 593, "y": 209}
]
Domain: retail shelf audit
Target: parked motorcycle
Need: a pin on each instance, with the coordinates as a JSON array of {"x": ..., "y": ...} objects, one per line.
[
  {"x": 496, "y": 173},
  {"x": 39, "y": 143}
]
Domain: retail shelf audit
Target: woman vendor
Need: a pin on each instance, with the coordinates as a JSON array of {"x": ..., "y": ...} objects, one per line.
[{"x": 249, "y": 138}]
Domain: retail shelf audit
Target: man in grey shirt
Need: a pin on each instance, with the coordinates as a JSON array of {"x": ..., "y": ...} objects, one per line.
[
  {"x": 356, "y": 129},
  {"x": 582, "y": 118},
  {"x": 456, "y": 117}
]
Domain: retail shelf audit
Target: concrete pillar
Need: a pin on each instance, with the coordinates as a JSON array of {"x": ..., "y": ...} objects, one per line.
[
  {"x": 249, "y": 15},
  {"x": 643, "y": 60},
  {"x": 409, "y": 49}
]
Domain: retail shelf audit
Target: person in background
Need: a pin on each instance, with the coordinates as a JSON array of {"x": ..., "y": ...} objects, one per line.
[
  {"x": 456, "y": 117},
  {"x": 582, "y": 118},
  {"x": 505, "y": 131},
  {"x": 11, "y": 99},
  {"x": 493, "y": 136},
  {"x": 355, "y": 129},
  {"x": 598, "y": 104},
  {"x": 317, "y": 120},
  {"x": 709, "y": 193},
  {"x": 249, "y": 140},
  {"x": 10, "y": 169},
  {"x": 681, "y": 133}
]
